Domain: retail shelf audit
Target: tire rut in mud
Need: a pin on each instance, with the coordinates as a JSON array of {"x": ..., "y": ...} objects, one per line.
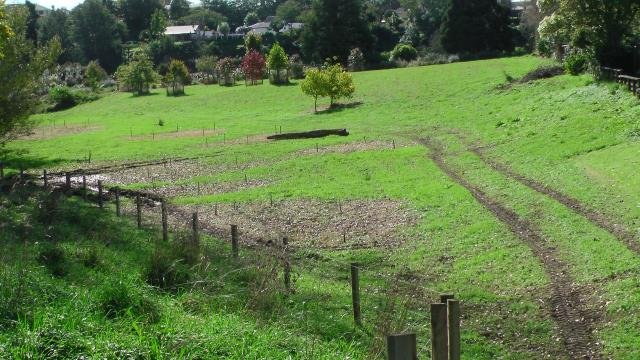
[
  {"x": 617, "y": 230},
  {"x": 567, "y": 305}
]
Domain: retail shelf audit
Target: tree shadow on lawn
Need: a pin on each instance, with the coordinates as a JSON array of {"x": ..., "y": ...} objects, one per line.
[
  {"x": 19, "y": 158},
  {"x": 339, "y": 107}
]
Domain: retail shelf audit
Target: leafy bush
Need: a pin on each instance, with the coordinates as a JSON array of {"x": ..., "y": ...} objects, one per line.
[
  {"x": 252, "y": 42},
  {"x": 63, "y": 97},
  {"x": 53, "y": 258},
  {"x": 577, "y": 63},
  {"x": 168, "y": 268},
  {"x": 356, "y": 60},
  {"x": 94, "y": 74},
  {"x": 404, "y": 52},
  {"x": 277, "y": 60},
  {"x": 117, "y": 299},
  {"x": 207, "y": 66},
  {"x": 296, "y": 67},
  {"x": 138, "y": 75},
  {"x": 177, "y": 77},
  {"x": 330, "y": 81},
  {"x": 253, "y": 67},
  {"x": 225, "y": 70}
]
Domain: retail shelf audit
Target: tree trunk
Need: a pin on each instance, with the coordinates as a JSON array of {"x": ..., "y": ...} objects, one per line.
[{"x": 315, "y": 106}]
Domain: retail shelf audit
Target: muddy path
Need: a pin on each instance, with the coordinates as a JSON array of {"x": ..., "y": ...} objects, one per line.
[
  {"x": 597, "y": 218},
  {"x": 567, "y": 304}
]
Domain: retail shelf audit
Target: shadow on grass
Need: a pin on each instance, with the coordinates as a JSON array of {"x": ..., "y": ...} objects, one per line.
[
  {"x": 336, "y": 108},
  {"x": 19, "y": 158}
]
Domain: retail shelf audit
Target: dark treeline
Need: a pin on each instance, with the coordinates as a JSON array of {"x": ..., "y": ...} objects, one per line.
[{"x": 107, "y": 30}]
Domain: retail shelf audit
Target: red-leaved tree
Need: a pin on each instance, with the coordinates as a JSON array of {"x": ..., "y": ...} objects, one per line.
[{"x": 253, "y": 67}]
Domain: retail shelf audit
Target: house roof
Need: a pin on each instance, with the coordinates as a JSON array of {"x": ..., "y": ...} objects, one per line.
[
  {"x": 292, "y": 26},
  {"x": 260, "y": 25},
  {"x": 181, "y": 30}
]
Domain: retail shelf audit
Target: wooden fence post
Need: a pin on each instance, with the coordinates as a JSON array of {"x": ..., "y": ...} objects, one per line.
[
  {"x": 402, "y": 347},
  {"x": 67, "y": 181},
  {"x": 100, "y": 204},
  {"x": 195, "y": 229},
  {"x": 1, "y": 170},
  {"x": 453, "y": 322},
  {"x": 439, "y": 349},
  {"x": 234, "y": 240},
  {"x": 84, "y": 187},
  {"x": 165, "y": 226},
  {"x": 118, "y": 202},
  {"x": 139, "y": 211},
  {"x": 355, "y": 293},
  {"x": 21, "y": 173},
  {"x": 45, "y": 180},
  {"x": 287, "y": 264}
]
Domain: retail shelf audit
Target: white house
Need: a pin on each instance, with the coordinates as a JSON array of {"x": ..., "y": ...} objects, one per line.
[{"x": 292, "y": 26}]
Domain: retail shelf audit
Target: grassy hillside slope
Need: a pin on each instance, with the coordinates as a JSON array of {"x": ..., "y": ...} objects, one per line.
[{"x": 520, "y": 195}]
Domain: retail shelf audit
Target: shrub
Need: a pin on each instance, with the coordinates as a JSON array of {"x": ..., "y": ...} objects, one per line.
[
  {"x": 207, "y": 66},
  {"x": 404, "y": 52},
  {"x": 53, "y": 258},
  {"x": 277, "y": 60},
  {"x": 252, "y": 42},
  {"x": 138, "y": 75},
  {"x": 296, "y": 67},
  {"x": 62, "y": 97},
  {"x": 577, "y": 63},
  {"x": 177, "y": 77},
  {"x": 94, "y": 75},
  {"x": 253, "y": 67},
  {"x": 168, "y": 270},
  {"x": 90, "y": 257},
  {"x": 331, "y": 81},
  {"x": 117, "y": 299},
  {"x": 356, "y": 60},
  {"x": 225, "y": 70}
]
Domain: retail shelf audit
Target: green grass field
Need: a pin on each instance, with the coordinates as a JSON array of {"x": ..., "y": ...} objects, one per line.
[{"x": 380, "y": 196}]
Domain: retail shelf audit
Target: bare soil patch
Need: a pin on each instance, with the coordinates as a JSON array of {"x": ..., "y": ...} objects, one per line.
[
  {"x": 52, "y": 132},
  {"x": 567, "y": 304},
  {"x": 193, "y": 189},
  {"x": 312, "y": 223},
  {"x": 178, "y": 134},
  {"x": 350, "y": 148}
]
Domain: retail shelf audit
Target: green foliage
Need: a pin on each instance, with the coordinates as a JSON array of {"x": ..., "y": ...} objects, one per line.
[
  {"x": 138, "y": 75},
  {"x": 21, "y": 69},
  {"x": 225, "y": 69},
  {"x": 476, "y": 26},
  {"x": 97, "y": 33},
  {"x": 137, "y": 15},
  {"x": 207, "y": 65},
  {"x": 54, "y": 259},
  {"x": 330, "y": 81},
  {"x": 177, "y": 77},
  {"x": 57, "y": 24},
  {"x": 224, "y": 28},
  {"x": 64, "y": 97},
  {"x": 404, "y": 52},
  {"x": 252, "y": 42},
  {"x": 94, "y": 74},
  {"x": 5, "y": 29},
  {"x": 158, "y": 24},
  {"x": 356, "y": 60},
  {"x": 178, "y": 9},
  {"x": 577, "y": 63},
  {"x": 333, "y": 28},
  {"x": 251, "y": 19},
  {"x": 603, "y": 27},
  {"x": 296, "y": 67},
  {"x": 118, "y": 299},
  {"x": 169, "y": 268},
  {"x": 289, "y": 11},
  {"x": 277, "y": 60}
]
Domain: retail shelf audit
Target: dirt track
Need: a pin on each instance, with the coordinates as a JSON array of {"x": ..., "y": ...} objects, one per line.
[{"x": 567, "y": 305}]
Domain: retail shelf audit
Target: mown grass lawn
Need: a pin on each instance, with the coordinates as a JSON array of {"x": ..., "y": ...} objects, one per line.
[{"x": 568, "y": 133}]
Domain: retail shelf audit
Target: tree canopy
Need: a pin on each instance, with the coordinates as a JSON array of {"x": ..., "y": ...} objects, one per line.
[
  {"x": 476, "y": 26},
  {"x": 334, "y": 28},
  {"x": 21, "y": 71}
]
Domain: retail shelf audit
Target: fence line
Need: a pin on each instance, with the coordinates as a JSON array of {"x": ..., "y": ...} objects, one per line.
[{"x": 442, "y": 331}]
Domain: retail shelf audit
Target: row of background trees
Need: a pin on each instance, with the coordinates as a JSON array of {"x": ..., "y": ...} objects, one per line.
[{"x": 104, "y": 30}]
